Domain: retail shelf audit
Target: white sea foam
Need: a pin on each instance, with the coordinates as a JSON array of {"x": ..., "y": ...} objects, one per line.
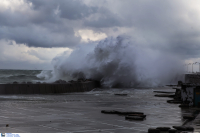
[{"x": 119, "y": 62}]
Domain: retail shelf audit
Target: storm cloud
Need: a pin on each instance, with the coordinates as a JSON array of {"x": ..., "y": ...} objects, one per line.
[{"x": 167, "y": 26}]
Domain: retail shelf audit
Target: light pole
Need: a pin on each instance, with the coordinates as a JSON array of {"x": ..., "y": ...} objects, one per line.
[
  {"x": 187, "y": 67},
  {"x": 192, "y": 67},
  {"x": 199, "y": 65},
  {"x": 188, "y": 64}
]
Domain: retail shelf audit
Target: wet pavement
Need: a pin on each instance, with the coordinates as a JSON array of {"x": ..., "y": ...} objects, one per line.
[{"x": 81, "y": 112}]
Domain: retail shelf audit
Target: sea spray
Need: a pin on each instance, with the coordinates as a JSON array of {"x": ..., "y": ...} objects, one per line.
[{"x": 119, "y": 62}]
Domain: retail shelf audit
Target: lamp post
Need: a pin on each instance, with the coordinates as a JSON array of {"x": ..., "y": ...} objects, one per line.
[
  {"x": 187, "y": 66},
  {"x": 192, "y": 67},
  {"x": 199, "y": 65}
]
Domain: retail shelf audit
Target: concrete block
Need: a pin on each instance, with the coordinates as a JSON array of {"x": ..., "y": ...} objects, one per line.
[
  {"x": 187, "y": 95},
  {"x": 9, "y": 89},
  {"x": 16, "y": 89},
  {"x": 42, "y": 88},
  {"x": 49, "y": 88},
  {"x": 36, "y": 88},
  {"x": 23, "y": 88},
  {"x": 2, "y": 88},
  {"x": 46, "y": 88},
  {"x": 30, "y": 89}
]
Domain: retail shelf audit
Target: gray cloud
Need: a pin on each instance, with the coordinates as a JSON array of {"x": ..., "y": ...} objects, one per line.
[
  {"x": 37, "y": 36},
  {"x": 103, "y": 19},
  {"x": 170, "y": 26},
  {"x": 69, "y": 9},
  {"x": 45, "y": 23}
]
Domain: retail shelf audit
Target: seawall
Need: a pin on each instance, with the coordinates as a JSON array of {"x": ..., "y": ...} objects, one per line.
[
  {"x": 48, "y": 88},
  {"x": 192, "y": 78}
]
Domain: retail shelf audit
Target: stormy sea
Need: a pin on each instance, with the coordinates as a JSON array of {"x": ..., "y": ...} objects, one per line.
[
  {"x": 10, "y": 76},
  {"x": 81, "y": 112},
  {"x": 128, "y": 80}
]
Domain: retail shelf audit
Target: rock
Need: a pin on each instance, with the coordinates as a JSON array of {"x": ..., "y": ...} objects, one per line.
[
  {"x": 80, "y": 80},
  {"x": 71, "y": 81},
  {"x": 174, "y": 101},
  {"x": 163, "y": 92},
  {"x": 163, "y": 128},
  {"x": 164, "y": 95},
  {"x": 120, "y": 94},
  {"x": 109, "y": 112},
  {"x": 171, "y": 85},
  {"x": 128, "y": 113},
  {"x": 184, "y": 106},
  {"x": 182, "y": 128},
  {"x": 153, "y": 130},
  {"x": 180, "y": 83},
  {"x": 60, "y": 81},
  {"x": 172, "y": 130},
  {"x": 7, "y": 125},
  {"x": 183, "y": 132},
  {"x": 189, "y": 117},
  {"x": 140, "y": 115},
  {"x": 15, "y": 82},
  {"x": 134, "y": 118},
  {"x": 88, "y": 80},
  {"x": 120, "y": 112},
  {"x": 189, "y": 128},
  {"x": 178, "y": 94}
]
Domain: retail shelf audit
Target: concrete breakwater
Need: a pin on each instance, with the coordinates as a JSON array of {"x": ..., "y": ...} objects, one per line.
[
  {"x": 48, "y": 88},
  {"x": 192, "y": 78}
]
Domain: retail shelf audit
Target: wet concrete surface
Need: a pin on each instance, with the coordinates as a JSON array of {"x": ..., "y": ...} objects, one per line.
[{"x": 81, "y": 112}]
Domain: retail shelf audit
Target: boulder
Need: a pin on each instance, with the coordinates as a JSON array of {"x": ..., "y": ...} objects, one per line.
[
  {"x": 165, "y": 95},
  {"x": 172, "y": 130},
  {"x": 184, "y": 106},
  {"x": 140, "y": 115},
  {"x": 190, "y": 117},
  {"x": 120, "y": 112},
  {"x": 189, "y": 128},
  {"x": 60, "y": 81},
  {"x": 163, "y": 128},
  {"x": 134, "y": 118},
  {"x": 181, "y": 128},
  {"x": 174, "y": 101},
  {"x": 120, "y": 94},
  {"x": 153, "y": 130}
]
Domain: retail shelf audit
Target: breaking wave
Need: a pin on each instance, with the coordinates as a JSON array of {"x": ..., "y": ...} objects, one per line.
[
  {"x": 118, "y": 62},
  {"x": 9, "y": 76}
]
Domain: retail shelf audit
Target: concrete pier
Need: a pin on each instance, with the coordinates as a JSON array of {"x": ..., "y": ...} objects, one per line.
[{"x": 47, "y": 88}]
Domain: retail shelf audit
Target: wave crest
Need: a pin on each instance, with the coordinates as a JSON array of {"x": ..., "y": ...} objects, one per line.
[{"x": 119, "y": 62}]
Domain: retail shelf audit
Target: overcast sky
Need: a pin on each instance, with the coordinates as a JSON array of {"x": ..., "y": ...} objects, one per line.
[{"x": 33, "y": 32}]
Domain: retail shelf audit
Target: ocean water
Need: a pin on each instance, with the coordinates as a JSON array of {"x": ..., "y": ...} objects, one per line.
[
  {"x": 9, "y": 76},
  {"x": 81, "y": 112}
]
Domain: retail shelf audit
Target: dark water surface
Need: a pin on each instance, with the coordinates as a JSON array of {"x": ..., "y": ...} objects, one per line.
[
  {"x": 81, "y": 112},
  {"x": 9, "y": 76}
]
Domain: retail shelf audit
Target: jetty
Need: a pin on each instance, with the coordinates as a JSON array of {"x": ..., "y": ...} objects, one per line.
[{"x": 59, "y": 86}]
